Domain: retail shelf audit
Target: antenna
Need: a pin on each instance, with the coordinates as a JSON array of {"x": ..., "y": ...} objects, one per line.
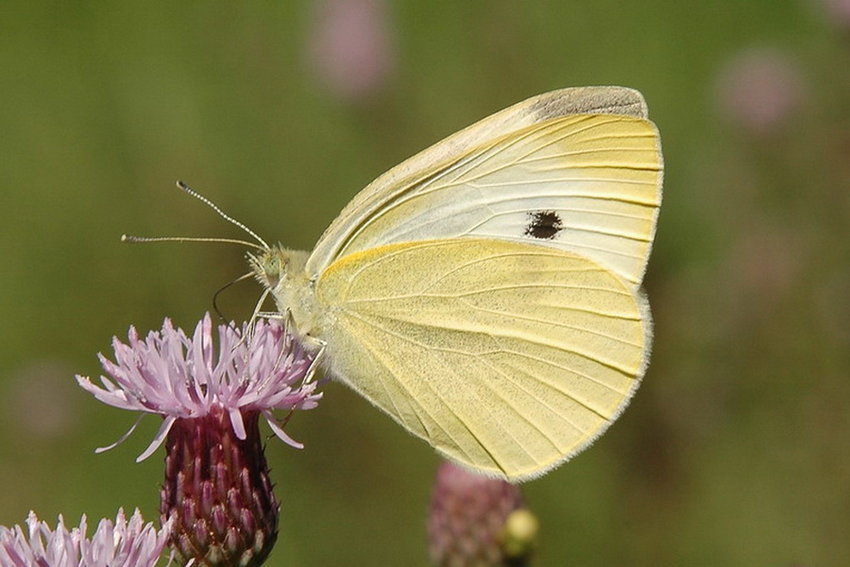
[
  {"x": 259, "y": 245},
  {"x": 189, "y": 191},
  {"x": 263, "y": 246},
  {"x": 132, "y": 239}
]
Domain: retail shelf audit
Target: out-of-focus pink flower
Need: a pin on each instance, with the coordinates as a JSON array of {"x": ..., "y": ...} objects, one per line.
[
  {"x": 350, "y": 49},
  {"x": 476, "y": 520},
  {"x": 119, "y": 543},
  {"x": 39, "y": 400},
  {"x": 838, "y": 12},
  {"x": 760, "y": 90}
]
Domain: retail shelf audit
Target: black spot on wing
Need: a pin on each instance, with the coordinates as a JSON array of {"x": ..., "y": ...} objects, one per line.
[{"x": 544, "y": 225}]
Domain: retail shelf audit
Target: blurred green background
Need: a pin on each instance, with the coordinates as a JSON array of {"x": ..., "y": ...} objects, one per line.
[{"x": 734, "y": 451}]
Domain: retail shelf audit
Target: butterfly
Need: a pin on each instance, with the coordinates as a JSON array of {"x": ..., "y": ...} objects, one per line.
[{"x": 485, "y": 293}]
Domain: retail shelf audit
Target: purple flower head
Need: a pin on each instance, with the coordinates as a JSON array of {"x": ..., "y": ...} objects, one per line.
[
  {"x": 351, "y": 48},
  {"x": 120, "y": 543},
  {"x": 253, "y": 371},
  {"x": 761, "y": 90},
  {"x": 476, "y": 520},
  {"x": 217, "y": 495}
]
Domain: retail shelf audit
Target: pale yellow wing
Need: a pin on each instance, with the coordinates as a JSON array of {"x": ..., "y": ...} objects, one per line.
[
  {"x": 576, "y": 169},
  {"x": 507, "y": 357}
]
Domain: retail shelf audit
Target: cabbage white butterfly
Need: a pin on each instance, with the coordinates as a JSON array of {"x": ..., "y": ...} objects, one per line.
[{"x": 485, "y": 293}]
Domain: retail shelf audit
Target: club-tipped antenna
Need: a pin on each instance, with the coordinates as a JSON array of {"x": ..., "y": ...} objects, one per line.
[
  {"x": 189, "y": 191},
  {"x": 144, "y": 239}
]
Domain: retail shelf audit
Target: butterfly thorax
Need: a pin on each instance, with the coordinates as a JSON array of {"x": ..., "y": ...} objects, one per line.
[{"x": 283, "y": 273}]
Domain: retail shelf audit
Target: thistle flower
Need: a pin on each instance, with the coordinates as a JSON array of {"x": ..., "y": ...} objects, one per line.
[
  {"x": 217, "y": 491},
  {"x": 128, "y": 544},
  {"x": 838, "y": 12},
  {"x": 761, "y": 90},
  {"x": 351, "y": 48},
  {"x": 477, "y": 521}
]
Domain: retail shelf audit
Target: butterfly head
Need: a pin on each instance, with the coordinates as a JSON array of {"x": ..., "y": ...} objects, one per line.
[{"x": 282, "y": 272}]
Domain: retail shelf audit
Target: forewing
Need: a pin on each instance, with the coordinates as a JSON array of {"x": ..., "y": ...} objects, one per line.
[
  {"x": 576, "y": 169},
  {"x": 506, "y": 357}
]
